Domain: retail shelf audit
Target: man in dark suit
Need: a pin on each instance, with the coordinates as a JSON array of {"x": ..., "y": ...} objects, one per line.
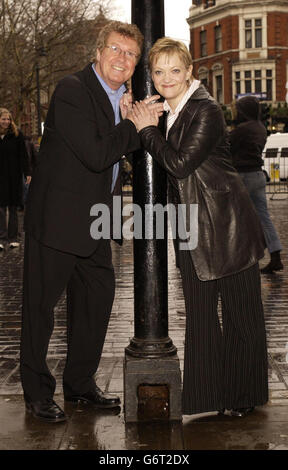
[{"x": 78, "y": 166}]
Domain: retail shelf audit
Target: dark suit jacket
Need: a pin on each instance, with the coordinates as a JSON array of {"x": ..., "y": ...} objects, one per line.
[{"x": 80, "y": 144}]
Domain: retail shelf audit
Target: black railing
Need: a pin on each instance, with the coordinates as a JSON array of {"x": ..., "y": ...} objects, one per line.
[{"x": 276, "y": 170}]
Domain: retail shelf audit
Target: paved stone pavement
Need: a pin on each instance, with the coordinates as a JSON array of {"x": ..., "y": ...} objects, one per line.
[{"x": 266, "y": 428}]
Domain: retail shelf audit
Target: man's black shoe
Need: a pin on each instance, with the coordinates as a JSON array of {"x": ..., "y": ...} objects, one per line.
[
  {"x": 241, "y": 412},
  {"x": 46, "y": 410},
  {"x": 96, "y": 398}
]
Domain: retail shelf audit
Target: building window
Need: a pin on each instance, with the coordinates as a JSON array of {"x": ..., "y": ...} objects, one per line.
[
  {"x": 248, "y": 34},
  {"x": 203, "y": 43},
  {"x": 219, "y": 88},
  {"x": 269, "y": 84},
  {"x": 238, "y": 83},
  {"x": 203, "y": 75},
  {"x": 218, "y": 38},
  {"x": 204, "y": 82},
  {"x": 248, "y": 87},
  {"x": 258, "y": 33},
  {"x": 258, "y": 81},
  {"x": 253, "y": 33},
  {"x": 209, "y": 3}
]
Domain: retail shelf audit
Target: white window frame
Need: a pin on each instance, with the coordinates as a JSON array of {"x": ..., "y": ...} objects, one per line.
[
  {"x": 217, "y": 70},
  {"x": 253, "y": 67},
  {"x": 203, "y": 73},
  {"x": 261, "y": 52}
]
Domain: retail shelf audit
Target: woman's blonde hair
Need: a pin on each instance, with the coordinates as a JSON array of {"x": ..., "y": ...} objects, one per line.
[
  {"x": 169, "y": 47},
  {"x": 12, "y": 128},
  {"x": 129, "y": 30}
]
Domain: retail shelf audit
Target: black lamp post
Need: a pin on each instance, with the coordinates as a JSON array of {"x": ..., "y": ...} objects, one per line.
[
  {"x": 41, "y": 52},
  {"x": 149, "y": 188},
  {"x": 150, "y": 358}
]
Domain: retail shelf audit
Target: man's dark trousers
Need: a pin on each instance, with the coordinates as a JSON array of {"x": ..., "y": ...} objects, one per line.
[{"x": 90, "y": 286}]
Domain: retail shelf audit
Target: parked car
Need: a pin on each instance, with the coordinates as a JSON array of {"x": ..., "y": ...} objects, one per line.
[{"x": 275, "y": 156}]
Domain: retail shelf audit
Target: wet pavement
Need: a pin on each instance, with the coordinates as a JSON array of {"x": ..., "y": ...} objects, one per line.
[{"x": 86, "y": 429}]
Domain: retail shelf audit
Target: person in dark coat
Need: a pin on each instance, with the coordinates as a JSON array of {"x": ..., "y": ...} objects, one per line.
[
  {"x": 31, "y": 151},
  {"x": 14, "y": 165},
  {"x": 247, "y": 141},
  {"x": 32, "y": 155},
  {"x": 225, "y": 366},
  {"x": 83, "y": 141}
]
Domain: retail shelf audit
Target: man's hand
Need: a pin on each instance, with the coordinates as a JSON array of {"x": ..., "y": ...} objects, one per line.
[{"x": 126, "y": 104}]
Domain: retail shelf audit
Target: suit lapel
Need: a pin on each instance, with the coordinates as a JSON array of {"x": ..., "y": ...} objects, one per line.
[{"x": 98, "y": 93}]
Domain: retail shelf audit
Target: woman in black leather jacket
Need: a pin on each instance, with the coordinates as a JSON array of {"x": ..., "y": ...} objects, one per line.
[{"x": 225, "y": 366}]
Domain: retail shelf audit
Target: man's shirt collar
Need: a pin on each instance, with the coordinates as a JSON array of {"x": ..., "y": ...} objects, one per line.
[{"x": 116, "y": 93}]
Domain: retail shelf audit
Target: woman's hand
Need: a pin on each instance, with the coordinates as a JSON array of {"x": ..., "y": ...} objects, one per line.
[
  {"x": 152, "y": 106},
  {"x": 145, "y": 114}
]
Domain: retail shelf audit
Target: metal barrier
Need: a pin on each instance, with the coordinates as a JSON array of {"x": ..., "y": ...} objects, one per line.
[{"x": 276, "y": 170}]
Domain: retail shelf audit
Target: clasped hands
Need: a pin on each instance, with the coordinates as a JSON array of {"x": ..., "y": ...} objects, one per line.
[{"x": 141, "y": 113}]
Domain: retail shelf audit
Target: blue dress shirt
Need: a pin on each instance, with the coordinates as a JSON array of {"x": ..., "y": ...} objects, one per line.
[{"x": 114, "y": 97}]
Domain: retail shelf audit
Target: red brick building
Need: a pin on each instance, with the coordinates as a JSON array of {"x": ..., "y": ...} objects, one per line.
[{"x": 240, "y": 46}]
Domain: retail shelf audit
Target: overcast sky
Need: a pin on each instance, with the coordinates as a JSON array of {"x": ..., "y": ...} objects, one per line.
[{"x": 176, "y": 12}]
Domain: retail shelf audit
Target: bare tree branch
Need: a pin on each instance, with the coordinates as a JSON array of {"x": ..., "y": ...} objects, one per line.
[{"x": 55, "y": 37}]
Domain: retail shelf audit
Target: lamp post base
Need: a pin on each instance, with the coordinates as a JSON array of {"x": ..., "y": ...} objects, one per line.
[
  {"x": 151, "y": 349},
  {"x": 152, "y": 389}
]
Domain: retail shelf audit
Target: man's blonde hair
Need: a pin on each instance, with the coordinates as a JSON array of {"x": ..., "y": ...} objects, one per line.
[
  {"x": 125, "y": 29},
  {"x": 169, "y": 47}
]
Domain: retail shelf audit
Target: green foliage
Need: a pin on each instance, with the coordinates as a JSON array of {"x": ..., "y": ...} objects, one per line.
[
  {"x": 227, "y": 114},
  {"x": 280, "y": 112}
]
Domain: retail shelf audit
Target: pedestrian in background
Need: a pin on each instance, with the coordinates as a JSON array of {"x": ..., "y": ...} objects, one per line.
[
  {"x": 224, "y": 368},
  {"x": 13, "y": 165},
  {"x": 32, "y": 156},
  {"x": 31, "y": 151},
  {"x": 247, "y": 143}
]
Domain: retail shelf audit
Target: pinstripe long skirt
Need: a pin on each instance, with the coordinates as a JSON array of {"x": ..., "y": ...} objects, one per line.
[{"x": 225, "y": 365}]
